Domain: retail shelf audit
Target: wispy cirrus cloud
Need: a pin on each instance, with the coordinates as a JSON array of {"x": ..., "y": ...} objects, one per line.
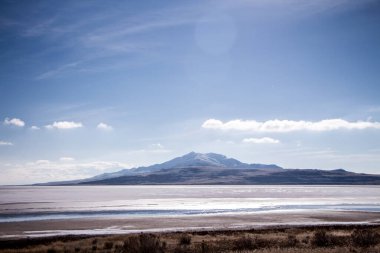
[
  {"x": 284, "y": 126},
  {"x": 58, "y": 71},
  {"x": 264, "y": 140},
  {"x": 94, "y": 40},
  {"x": 41, "y": 28},
  {"x": 14, "y": 121},
  {"x": 64, "y": 125},
  {"x": 131, "y": 27}
]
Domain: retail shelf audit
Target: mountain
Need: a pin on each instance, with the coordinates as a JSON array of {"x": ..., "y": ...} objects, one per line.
[
  {"x": 189, "y": 160},
  {"x": 211, "y": 168}
]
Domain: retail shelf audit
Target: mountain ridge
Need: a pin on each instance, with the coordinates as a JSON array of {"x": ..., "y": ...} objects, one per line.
[
  {"x": 188, "y": 160},
  {"x": 212, "y": 168}
]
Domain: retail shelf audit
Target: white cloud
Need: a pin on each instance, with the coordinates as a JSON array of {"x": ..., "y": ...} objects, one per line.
[
  {"x": 264, "y": 140},
  {"x": 14, "y": 121},
  {"x": 34, "y": 128},
  {"x": 104, "y": 126},
  {"x": 283, "y": 126},
  {"x": 66, "y": 159},
  {"x": 64, "y": 125},
  {"x": 6, "y": 143}
]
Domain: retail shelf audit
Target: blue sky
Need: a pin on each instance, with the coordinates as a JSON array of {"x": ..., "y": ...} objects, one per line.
[{"x": 92, "y": 87}]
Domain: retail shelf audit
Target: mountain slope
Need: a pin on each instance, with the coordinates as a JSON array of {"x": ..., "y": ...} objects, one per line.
[
  {"x": 221, "y": 176},
  {"x": 189, "y": 160},
  {"x": 211, "y": 168}
]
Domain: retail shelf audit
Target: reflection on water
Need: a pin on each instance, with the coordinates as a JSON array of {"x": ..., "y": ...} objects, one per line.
[{"x": 64, "y": 202}]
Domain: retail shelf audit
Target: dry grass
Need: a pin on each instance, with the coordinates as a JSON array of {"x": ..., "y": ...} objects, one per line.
[{"x": 335, "y": 239}]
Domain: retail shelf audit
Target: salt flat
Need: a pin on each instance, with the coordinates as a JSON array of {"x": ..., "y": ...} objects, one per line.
[{"x": 40, "y": 211}]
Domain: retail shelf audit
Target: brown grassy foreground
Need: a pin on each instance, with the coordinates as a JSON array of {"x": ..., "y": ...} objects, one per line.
[{"x": 336, "y": 239}]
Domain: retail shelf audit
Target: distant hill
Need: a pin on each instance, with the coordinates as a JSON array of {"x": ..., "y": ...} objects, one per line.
[{"x": 197, "y": 168}]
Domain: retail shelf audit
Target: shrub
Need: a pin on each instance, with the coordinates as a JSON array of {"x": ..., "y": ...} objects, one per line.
[
  {"x": 306, "y": 240},
  {"x": 321, "y": 239},
  {"x": 263, "y": 243},
  {"x": 108, "y": 245},
  {"x": 364, "y": 238},
  {"x": 185, "y": 239},
  {"x": 291, "y": 241},
  {"x": 180, "y": 249},
  {"x": 244, "y": 243},
  {"x": 144, "y": 243},
  {"x": 205, "y": 248}
]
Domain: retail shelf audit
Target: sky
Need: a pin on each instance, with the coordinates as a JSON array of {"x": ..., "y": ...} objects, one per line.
[{"x": 88, "y": 87}]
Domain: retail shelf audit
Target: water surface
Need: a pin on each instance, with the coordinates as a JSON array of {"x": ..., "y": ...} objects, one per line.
[{"x": 23, "y": 203}]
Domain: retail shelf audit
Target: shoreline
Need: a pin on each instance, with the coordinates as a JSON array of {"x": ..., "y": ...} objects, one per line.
[
  {"x": 149, "y": 224},
  {"x": 200, "y": 230}
]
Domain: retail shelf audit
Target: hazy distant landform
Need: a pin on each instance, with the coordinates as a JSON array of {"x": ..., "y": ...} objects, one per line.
[{"x": 213, "y": 169}]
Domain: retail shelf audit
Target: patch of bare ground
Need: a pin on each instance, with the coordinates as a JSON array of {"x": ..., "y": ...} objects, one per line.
[{"x": 317, "y": 239}]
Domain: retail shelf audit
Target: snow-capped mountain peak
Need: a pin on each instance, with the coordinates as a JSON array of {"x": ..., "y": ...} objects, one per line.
[
  {"x": 203, "y": 159},
  {"x": 189, "y": 160}
]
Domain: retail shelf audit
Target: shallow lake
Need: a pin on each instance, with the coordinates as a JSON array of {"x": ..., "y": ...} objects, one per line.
[{"x": 22, "y": 203}]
